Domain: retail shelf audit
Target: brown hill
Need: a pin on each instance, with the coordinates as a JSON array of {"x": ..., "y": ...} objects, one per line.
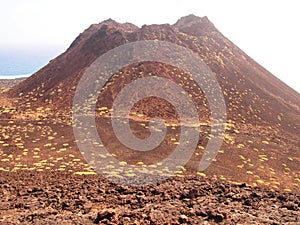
[
  {"x": 241, "y": 78},
  {"x": 261, "y": 143}
]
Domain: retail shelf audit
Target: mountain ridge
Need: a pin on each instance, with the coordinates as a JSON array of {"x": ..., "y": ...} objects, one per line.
[
  {"x": 184, "y": 23},
  {"x": 263, "y": 113}
]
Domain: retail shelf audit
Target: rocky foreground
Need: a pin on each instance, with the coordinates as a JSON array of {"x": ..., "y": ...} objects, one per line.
[{"x": 62, "y": 198}]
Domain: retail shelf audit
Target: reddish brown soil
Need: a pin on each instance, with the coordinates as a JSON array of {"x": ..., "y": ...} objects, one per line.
[
  {"x": 40, "y": 162},
  {"x": 63, "y": 198}
]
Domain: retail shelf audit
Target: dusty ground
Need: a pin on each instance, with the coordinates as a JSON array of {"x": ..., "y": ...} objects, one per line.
[
  {"x": 45, "y": 180},
  {"x": 40, "y": 183},
  {"x": 62, "y": 198}
]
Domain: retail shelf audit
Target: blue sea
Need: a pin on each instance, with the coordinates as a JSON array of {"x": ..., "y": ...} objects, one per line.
[{"x": 15, "y": 64}]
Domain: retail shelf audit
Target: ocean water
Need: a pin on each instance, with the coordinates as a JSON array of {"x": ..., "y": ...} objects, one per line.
[
  {"x": 14, "y": 64},
  {"x": 14, "y": 67}
]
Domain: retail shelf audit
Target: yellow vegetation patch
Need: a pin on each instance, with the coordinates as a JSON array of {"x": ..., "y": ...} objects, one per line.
[
  {"x": 76, "y": 160},
  {"x": 265, "y": 142},
  {"x": 130, "y": 175},
  {"x": 201, "y": 174},
  {"x": 263, "y": 159},
  {"x": 123, "y": 163},
  {"x": 242, "y": 157},
  {"x": 236, "y": 131},
  {"x": 279, "y": 117},
  {"x": 85, "y": 173},
  {"x": 240, "y": 145}
]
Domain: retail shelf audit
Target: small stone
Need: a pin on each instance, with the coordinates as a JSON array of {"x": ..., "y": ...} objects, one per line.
[
  {"x": 247, "y": 202},
  {"x": 183, "y": 218},
  {"x": 87, "y": 208},
  {"x": 104, "y": 214}
]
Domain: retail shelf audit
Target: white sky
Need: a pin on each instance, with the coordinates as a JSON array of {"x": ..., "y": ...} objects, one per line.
[{"x": 267, "y": 30}]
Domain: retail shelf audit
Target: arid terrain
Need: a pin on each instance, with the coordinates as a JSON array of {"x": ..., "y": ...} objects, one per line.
[{"x": 254, "y": 179}]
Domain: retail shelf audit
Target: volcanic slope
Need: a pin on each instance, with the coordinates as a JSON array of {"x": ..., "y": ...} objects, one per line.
[{"x": 261, "y": 145}]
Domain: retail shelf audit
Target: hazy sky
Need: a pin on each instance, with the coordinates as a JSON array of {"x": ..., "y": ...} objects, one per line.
[{"x": 267, "y": 30}]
